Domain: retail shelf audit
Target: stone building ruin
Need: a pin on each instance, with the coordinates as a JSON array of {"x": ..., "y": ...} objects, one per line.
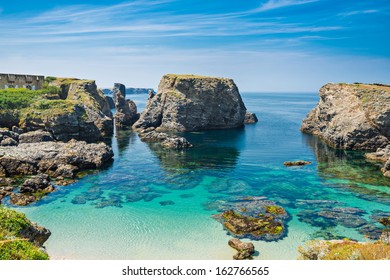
[{"x": 32, "y": 82}]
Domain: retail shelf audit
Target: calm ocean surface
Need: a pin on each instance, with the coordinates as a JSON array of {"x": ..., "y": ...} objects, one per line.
[{"x": 151, "y": 203}]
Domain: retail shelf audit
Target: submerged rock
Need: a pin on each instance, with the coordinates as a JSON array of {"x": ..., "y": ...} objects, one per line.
[
  {"x": 245, "y": 249},
  {"x": 167, "y": 202},
  {"x": 296, "y": 163},
  {"x": 192, "y": 103},
  {"x": 382, "y": 155},
  {"x": 252, "y": 227},
  {"x": 351, "y": 116}
]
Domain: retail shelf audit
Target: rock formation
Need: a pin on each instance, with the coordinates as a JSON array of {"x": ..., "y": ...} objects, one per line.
[
  {"x": 77, "y": 111},
  {"x": 351, "y": 116},
  {"x": 250, "y": 118},
  {"x": 49, "y": 157},
  {"x": 245, "y": 250},
  {"x": 296, "y": 163},
  {"x": 20, "y": 239},
  {"x": 126, "y": 110},
  {"x": 173, "y": 142},
  {"x": 191, "y": 103},
  {"x": 110, "y": 101}
]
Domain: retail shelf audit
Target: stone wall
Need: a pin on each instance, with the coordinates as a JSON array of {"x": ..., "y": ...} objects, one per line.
[{"x": 21, "y": 81}]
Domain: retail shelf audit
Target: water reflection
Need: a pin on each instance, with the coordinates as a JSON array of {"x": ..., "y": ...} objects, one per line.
[
  {"x": 218, "y": 150},
  {"x": 350, "y": 171},
  {"x": 124, "y": 138}
]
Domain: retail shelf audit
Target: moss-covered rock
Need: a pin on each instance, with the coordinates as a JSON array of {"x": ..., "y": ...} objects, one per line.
[
  {"x": 246, "y": 226},
  {"x": 68, "y": 108},
  {"x": 344, "y": 250},
  {"x": 19, "y": 238}
]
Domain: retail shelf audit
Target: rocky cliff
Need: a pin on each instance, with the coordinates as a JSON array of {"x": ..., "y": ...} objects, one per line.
[
  {"x": 191, "y": 103},
  {"x": 67, "y": 108},
  {"x": 351, "y": 116}
]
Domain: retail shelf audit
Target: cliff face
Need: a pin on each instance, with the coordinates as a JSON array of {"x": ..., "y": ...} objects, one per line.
[
  {"x": 80, "y": 111},
  {"x": 191, "y": 103},
  {"x": 351, "y": 116}
]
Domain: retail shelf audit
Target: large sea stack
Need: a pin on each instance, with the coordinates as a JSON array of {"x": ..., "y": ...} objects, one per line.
[
  {"x": 351, "y": 116},
  {"x": 193, "y": 103}
]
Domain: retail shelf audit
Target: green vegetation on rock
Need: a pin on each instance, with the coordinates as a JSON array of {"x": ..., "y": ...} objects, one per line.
[
  {"x": 13, "y": 246},
  {"x": 344, "y": 250},
  {"x": 274, "y": 209}
]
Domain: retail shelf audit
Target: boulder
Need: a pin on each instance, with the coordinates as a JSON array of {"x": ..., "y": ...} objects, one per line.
[
  {"x": 126, "y": 110},
  {"x": 36, "y": 183},
  {"x": 35, "y": 136},
  {"x": 192, "y": 103},
  {"x": 351, "y": 116},
  {"x": 8, "y": 141},
  {"x": 245, "y": 249},
  {"x": 250, "y": 118}
]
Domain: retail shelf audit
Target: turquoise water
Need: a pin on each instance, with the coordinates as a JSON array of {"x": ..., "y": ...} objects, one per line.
[{"x": 151, "y": 203}]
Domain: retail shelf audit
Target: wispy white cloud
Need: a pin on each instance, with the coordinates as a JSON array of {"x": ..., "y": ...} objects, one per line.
[
  {"x": 361, "y": 12},
  {"x": 277, "y": 4},
  {"x": 141, "y": 19}
]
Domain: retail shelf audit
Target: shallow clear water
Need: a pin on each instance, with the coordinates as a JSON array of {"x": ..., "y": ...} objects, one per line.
[{"x": 151, "y": 203}]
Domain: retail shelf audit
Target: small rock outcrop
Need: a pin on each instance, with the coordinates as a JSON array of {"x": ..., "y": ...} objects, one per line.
[
  {"x": 351, "y": 116},
  {"x": 40, "y": 182},
  {"x": 126, "y": 110},
  {"x": 250, "y": 118},
  {"x": 192, "y": 103},
  {"x": 35, "y": 137},
  {"x": 245, "y": 250},
  {"x": 167, "y": 141}
]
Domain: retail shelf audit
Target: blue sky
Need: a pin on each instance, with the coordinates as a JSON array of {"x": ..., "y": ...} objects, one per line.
[{"x": 265, "y": 45}]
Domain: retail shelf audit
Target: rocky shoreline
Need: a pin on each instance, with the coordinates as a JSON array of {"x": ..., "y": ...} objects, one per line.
[{"x": 49, "y": 143}]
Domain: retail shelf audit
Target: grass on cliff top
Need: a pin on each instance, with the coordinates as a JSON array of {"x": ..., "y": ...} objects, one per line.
[
  {"x": 191, "y": 76},
  {"x": 44, "y": 108},
  {"x": 381, "y": 87},
  {"x": 346, "y": 250},
  {"x": 11, "y": 99},
  {"x": 12, "y": 245}
]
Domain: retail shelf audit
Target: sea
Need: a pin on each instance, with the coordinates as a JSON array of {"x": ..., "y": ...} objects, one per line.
[{"x": 152, "y": 203}]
